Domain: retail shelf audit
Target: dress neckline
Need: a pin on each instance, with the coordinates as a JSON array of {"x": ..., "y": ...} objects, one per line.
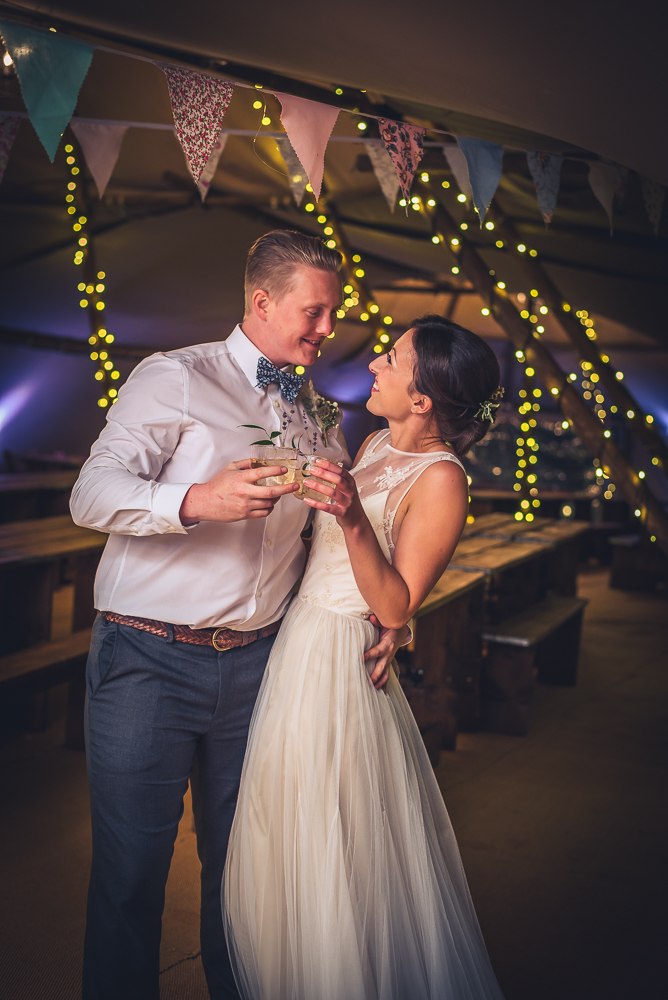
[{"x": 424, "y": 454}]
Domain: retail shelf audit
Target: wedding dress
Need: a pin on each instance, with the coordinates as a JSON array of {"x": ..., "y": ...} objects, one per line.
[{"x": 343, "y": 878}]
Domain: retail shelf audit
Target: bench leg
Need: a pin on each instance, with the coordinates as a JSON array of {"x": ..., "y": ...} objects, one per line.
[
  {"x": 76, "y": 699},
  {"x": 508, "y": 679},
  {"x": 557, "y": 656}
]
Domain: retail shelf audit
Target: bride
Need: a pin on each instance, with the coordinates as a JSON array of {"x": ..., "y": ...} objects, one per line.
[{"x": 343, "y": 878}]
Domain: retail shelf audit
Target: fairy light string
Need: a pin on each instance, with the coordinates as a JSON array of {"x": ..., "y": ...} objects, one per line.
[
  {"x": 91, "y": 288},
  {"x": 358, "y": 295},
  {"x": 534, "y": 309}
]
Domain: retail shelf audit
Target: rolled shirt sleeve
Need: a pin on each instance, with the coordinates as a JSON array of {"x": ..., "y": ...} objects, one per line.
[{"x": 118, "y": 489}]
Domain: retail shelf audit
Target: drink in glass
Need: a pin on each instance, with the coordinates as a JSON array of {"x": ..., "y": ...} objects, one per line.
[{"x": 263, "y": 456}]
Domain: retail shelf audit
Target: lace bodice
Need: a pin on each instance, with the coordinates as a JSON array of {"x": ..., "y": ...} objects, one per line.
[{"x": 384, "y": 476}]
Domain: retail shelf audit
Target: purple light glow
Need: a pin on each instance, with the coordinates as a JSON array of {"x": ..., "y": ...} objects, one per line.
[{"x": 13, "y": 401}]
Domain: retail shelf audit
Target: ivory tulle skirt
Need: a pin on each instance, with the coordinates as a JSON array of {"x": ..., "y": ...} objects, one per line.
[{"x": 343, "y": 878}]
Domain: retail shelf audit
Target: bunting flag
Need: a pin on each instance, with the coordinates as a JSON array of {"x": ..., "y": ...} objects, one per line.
[
  {"x": 484, "y": 160},
  {"x": 545, "y": 169},
  {"x": 8, "y": 128},
  {"x": 101, "y": 145},
  {"x": 460, "y": 169},
  {"x": 383, "y": 168},
  {"x": 296, "y": 173},
  {"x": 199, "y": 104},
  {"x": 404, "y": 144},
  {"x": 653, "y": 195},
  {"x": 605, "y": 180},
  {"x": 51, "y": 68},
  {"x": 309, "y": 126},
  {"x": 211, "y": 165}
]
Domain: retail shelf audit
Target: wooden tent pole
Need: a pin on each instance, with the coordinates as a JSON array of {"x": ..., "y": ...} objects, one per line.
[
  {"x": 525, "y": 339},
  {"x": 585, "y": 348}
]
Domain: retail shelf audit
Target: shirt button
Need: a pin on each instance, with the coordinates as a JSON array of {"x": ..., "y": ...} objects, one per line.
[
  {"x": 269, "y": 543},
  {"x": 277, "y": 404},
  {"x": 259, "y": 593}
]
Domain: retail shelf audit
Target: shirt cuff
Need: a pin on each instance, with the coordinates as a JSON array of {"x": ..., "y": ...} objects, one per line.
[{"x": 167, "y": 500}]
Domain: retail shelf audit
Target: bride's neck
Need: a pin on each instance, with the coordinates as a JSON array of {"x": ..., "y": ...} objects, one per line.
[{"x": 415, "y": 435}]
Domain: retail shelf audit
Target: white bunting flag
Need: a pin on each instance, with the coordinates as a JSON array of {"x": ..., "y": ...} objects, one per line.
[
  {"x": 383, "y": 168},
  {"x": 101, "y": 145}
]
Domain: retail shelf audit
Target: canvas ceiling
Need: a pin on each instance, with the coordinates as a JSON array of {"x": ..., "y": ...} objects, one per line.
[{"x": 560, "y": 80}]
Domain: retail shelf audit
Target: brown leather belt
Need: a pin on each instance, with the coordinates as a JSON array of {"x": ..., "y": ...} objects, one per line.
[{"x": 220, "y": 638}]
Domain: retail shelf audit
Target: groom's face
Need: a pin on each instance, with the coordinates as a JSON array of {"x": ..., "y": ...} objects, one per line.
[{"x": 295, "y": 326}]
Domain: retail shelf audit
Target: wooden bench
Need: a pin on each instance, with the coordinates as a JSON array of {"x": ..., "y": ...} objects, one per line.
[
  {"x": 516, "y": 572},
  {"x": 26, "y": 495},
  {"x": 540, "y": 643},
  {"x": 31, "y": 554},
  {"x": 566, "y": 556},
  {"x": 27, "y": 674},
  {"x": 637, "y": 564},
  {"x": 440, "y": 671}
]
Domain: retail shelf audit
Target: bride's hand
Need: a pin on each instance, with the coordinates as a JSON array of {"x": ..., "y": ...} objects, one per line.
[{"x": 340, "y": 486}]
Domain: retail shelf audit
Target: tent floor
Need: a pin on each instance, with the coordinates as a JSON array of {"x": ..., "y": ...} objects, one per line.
[{"x": 562, "y": 835}]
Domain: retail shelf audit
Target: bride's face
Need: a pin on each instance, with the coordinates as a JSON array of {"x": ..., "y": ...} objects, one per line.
[{"x": 392, "y": 393}]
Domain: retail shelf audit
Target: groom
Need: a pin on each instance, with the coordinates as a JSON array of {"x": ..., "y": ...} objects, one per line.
[{"x": 198, "y": 570}]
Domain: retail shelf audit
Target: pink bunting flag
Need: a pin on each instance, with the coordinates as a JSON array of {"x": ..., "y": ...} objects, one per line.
[
  {"x": 101, "y": 145},
  {"x": 199, "y": 104},
  {"x": 8, "y": 129},
  {"x": 404, "y": 144},
  {"x": 309, "y": 126}
]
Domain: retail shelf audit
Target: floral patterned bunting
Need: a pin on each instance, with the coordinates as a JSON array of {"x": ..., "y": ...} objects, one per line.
[
  {"x": 653, "y": 196},
  {"x": 404, "y": 144},
  {"x": 296, "y": 173},
  {"x": 199, "y": 104},
  {"x": 545, "y": 169},
  {"x": 383, "y": 168},
  {"x": 205, "y": 178},
  {"x": 8, "y": 129}
]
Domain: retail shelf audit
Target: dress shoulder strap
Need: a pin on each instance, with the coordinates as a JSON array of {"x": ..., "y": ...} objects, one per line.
[
  {"x": 373, "y": 446},
  {"x": 397, "y": 496}
]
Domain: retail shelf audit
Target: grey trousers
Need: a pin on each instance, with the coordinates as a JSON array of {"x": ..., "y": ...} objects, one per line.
[{"x": 159, "y": 713}]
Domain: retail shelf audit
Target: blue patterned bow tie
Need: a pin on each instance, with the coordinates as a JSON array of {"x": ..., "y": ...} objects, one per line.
[{"x": 289, "y": 384}]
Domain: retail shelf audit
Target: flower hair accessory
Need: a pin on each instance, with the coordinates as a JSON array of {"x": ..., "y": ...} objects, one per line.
[{"x": 493, "y": 403}]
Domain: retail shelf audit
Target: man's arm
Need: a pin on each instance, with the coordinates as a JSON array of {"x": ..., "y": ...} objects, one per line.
[{"x": 117, "y": 490}]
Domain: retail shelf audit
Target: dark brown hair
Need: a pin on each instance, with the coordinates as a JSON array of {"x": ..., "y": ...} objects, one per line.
[
  {"x": 458, "y": 371},
  {"x": 273, "y": 259}
]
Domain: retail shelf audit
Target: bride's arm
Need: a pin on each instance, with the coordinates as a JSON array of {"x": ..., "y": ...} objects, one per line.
[{"x": 437, "y": 506}]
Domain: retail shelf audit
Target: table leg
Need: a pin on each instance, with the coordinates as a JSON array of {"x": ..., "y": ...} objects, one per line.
[{"x": 26, "y": 596}]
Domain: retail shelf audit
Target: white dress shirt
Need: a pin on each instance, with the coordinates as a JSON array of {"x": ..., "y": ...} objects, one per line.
[{"x": 176, "y": 422}]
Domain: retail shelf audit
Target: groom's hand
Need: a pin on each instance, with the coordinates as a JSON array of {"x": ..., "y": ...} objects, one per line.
[
  {"x": 383, "y": 652},
  {"x": 233, "y": 495}
]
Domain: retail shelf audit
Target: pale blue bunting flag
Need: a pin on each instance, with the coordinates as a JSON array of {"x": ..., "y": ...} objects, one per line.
[
  {"x": 484, "y": 161},
  {"x": 51, "y": 68}
]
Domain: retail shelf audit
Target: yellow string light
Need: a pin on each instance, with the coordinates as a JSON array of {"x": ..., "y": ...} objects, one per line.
[{"x": 92, "y": 289}]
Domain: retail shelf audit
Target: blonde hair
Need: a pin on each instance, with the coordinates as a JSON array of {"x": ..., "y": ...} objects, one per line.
[{"x": 274, "y": 258}]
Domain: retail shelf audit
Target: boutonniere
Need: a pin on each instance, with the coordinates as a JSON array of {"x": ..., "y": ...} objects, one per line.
[{"x": 324, "y": 413}]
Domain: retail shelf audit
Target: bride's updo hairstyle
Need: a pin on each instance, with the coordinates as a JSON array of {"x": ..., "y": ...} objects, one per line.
[{"x": 459, "y": 372}]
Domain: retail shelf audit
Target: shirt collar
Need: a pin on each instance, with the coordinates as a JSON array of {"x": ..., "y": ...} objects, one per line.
[{"x": 246, "y": 355}]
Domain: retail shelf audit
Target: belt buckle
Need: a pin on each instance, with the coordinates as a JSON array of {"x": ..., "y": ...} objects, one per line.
[{"x": 215, "y": 642}]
